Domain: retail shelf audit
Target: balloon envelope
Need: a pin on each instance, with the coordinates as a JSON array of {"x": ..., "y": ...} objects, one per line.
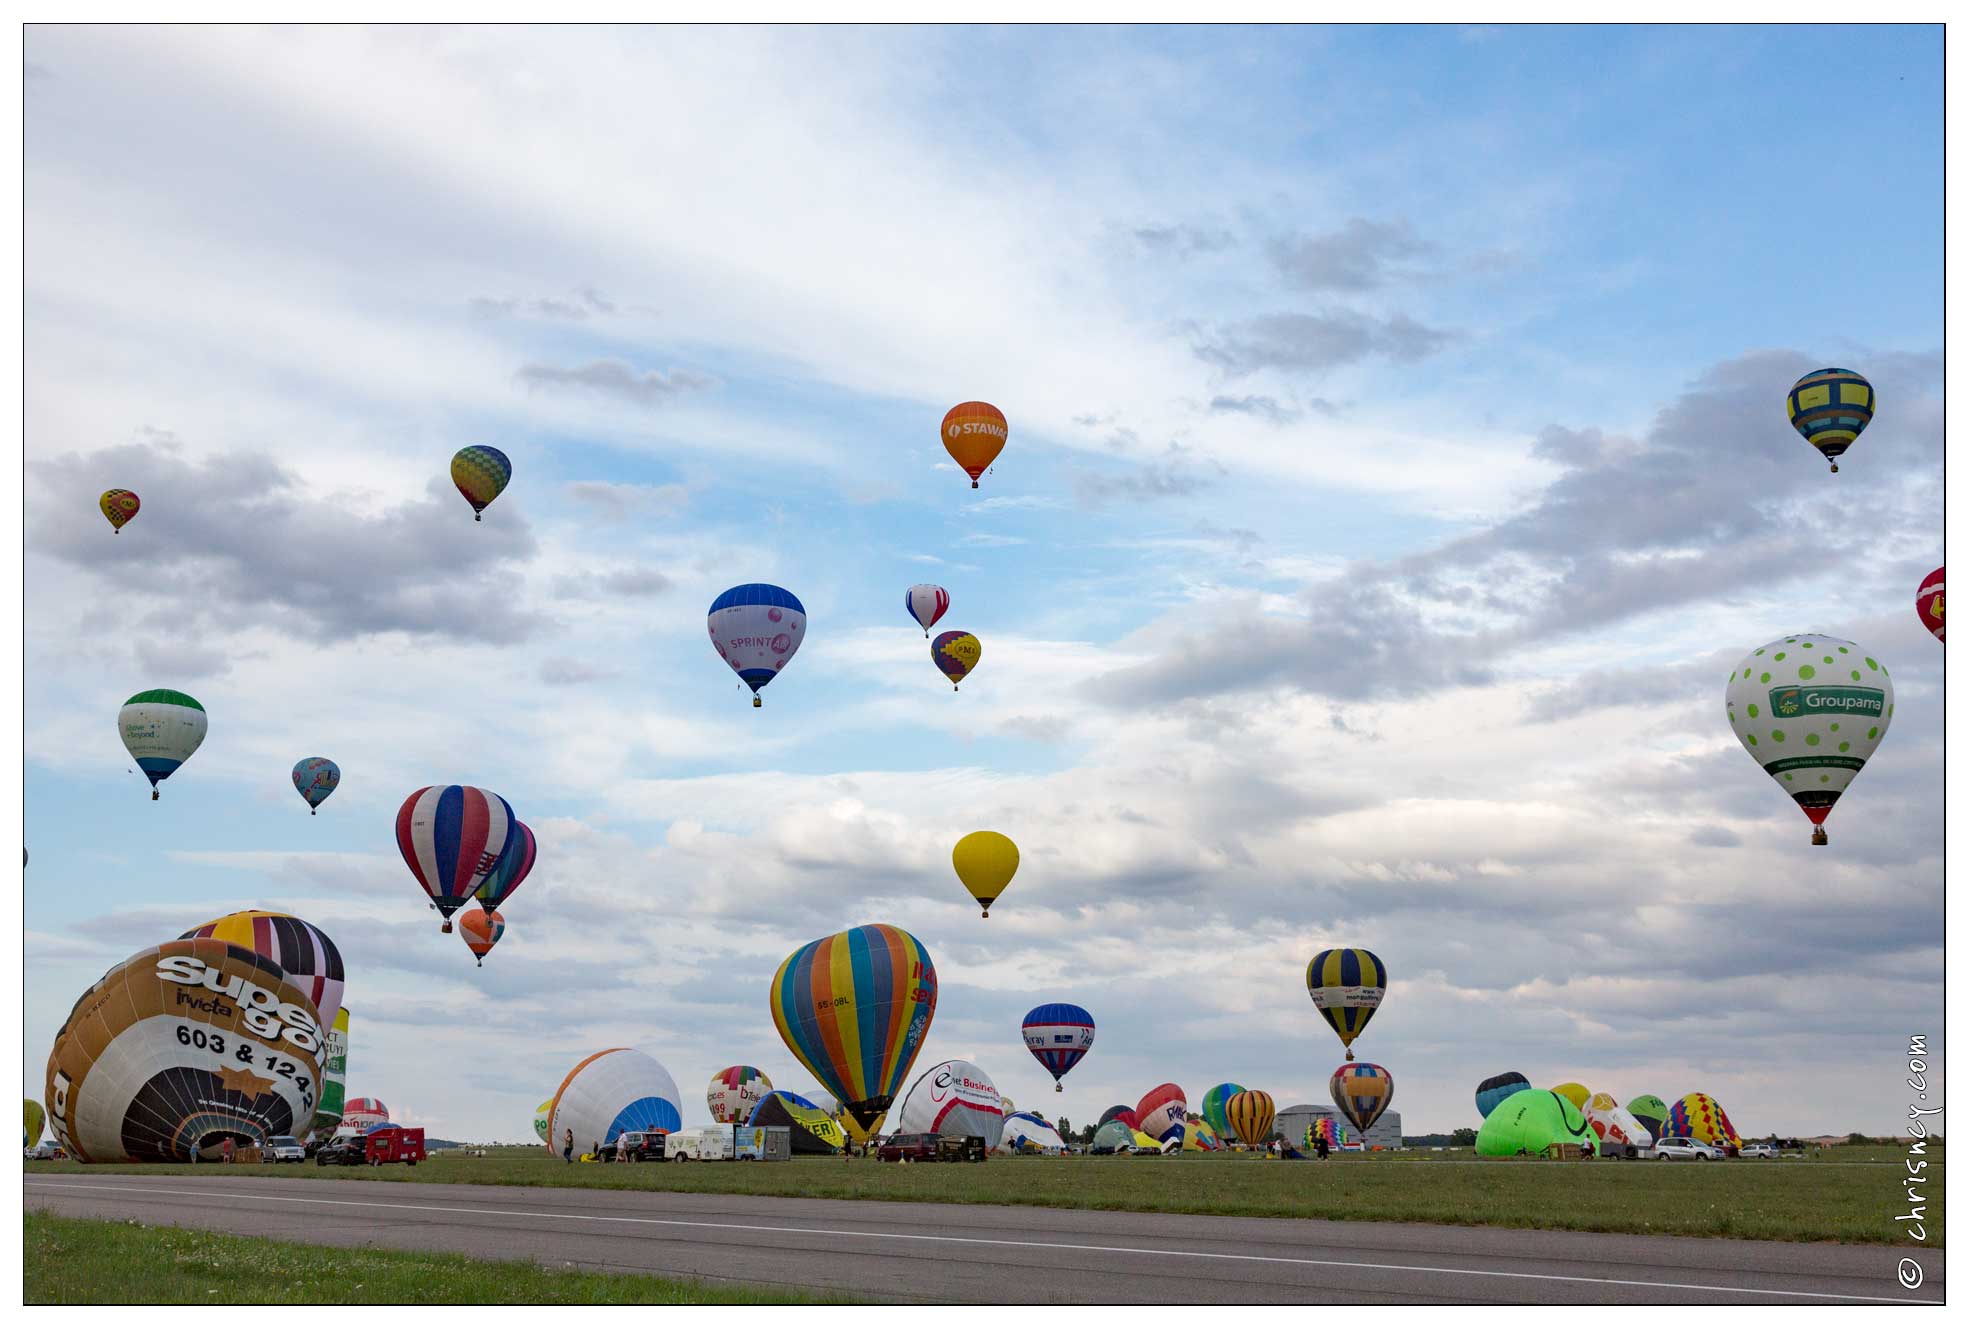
[
  {"x": 1347, "y": 985},
  {"x": 1122, "y": 1112},
  {"x": 1700, "y": 1117},
  {"x": 957, "y": 654},
  {"x": 756, "y": 629},
  {"x": 615, "y": 1090},
  {"x": 1531, "y": 1121},
  {"x": 1161, "y": 1112},
  {"x": 302, "y": 950},
  {"x": 1496, "y": 1089},
  {"x": 1250, "y": 1112},
  {"x": 334, "y": 1076},
  {"x": 926, "y": 604},
  {"x": 315, "y": 778},
  {"x": 1614, "y": 1124},
  {"x": 1810, "y": 709},
  {"x": 1573, "y": 1092},
  {"x": 1362, "y": 1092},
  {"x": 1030, "y": 1133},
  {"x": 1058, "y": 1034},
  {"x": 161, "y": 728},
  {"x": 1651, "y": 1112},
  {"x": 362, "y": 1113},
  {"x": 811, "y": 1129},
  {"x": 1928, "y": 603},
  {"x": 953, "y": 1098},
  {"x": 481, "y": 929},
  {"x": 178, "y": 1047},
  {"x": 1113, "y": 1137},
  {"x": 974, "y": 434},
  {"x": 119, "y": 505},
  {"x": 33, "y": 1123},
  {"x": 481, "y": 474},
  {"x": 1215, "y": 1100},
  {"x": 511, "y": 871},
  {"x": 452, "y": 837},
  {"x": 985, "y": 863},
  {"x": 1829, "y": 408},
  {"x": 541, "y": 1116},
  {"x": 734, "y": 1092},
  {"x": 855, "y": 1008}
]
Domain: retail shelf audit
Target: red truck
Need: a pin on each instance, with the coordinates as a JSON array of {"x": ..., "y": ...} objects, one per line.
[{"x": 385, "y": 1144}]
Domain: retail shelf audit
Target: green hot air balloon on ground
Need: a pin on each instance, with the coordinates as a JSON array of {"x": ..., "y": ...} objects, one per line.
[
  {"x": 1530, "y": 1122},
  {"x": 32, "y": 1126},
  {"x": 1215, "y": 1104},
  {"x": 1650, "y": 1111}
]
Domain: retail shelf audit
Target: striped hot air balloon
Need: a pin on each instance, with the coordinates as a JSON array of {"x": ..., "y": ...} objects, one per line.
[
  {"x": 452, "y": 837},
  {"x": 511, "y": 870},
  {"x": 1059, "y": 1034},
  {"x": 1250, "y": 1113},
  {"x": 1346, "y": 985},
  {"x": 1216, "y": 1101},
  {"x": 302, "y": 950},
  {"x": 1829, "y": 408},
  {"x": 362, "y": 1113}
]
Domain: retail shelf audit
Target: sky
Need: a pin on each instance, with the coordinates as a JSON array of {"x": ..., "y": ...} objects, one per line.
[{"x": 1398, "y": 466}]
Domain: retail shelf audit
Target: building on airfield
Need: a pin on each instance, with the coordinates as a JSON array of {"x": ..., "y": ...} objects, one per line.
[{"x": 1292, "y": 1122}]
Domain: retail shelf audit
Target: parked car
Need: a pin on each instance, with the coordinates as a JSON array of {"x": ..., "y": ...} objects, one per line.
[
  {"x": 284, "y": 1149},
  {"x": 44, "y": 1151},
  {"x": 910, "y": 1149},
  {"x": 385, "y": 1144},
  {"x": 961, "y": 1148},
  {"x": 1682, "y": 1147},
  {"x": 1758, "y": 1149},
  {"x": 342, "y": 1151},
  {"x": 638, "y": 1147}
]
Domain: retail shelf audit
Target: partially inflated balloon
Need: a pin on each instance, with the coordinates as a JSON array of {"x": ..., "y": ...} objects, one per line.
[
  {"x": 315, "y": 778},
  {"x": 1829, "y": 408},
  {"x": 178, "y": 1047},
  {"x": 1810, "y": 709},
  {"x": 1059, "y": 1034},
  {"x": 1574, "y": 1093},
  {"x": 363, "y": 1113},
  {"x": 1362, "y": 1092},
  {"x": 1614, "y": 1124},
  {"x": 756, "y": 628},
  {"x": 161, "y": 728},
  {"x": 734, "y": 1092},
  {"x": 1216, "y": 1100},
  {"x": 974, "y": 435},
  {"x": 1123, "y": 1113},
  {"x": 1496, "y": 1089},
  {"x": 1531, "y": 1122},
  {"x": 811, "y": 1130},
  {"x": 511, "y": 870},
  {"x": 1250, "y": 1112},
  {"x": 855, "y": 1008},
  {"x": 119, "y": 505},
  {"x": 541, "y": 1115},
  {"x": 616, "y": 1090},
  {"x": 985, "y": 862},
  {"x": 481, "y": 929},
  {"x": 957, "y": 654},
  {"x": 1700, "y": 1117},
  {"x": 334, "y": 1075},
  {"x": 1347, "y": 985},
  {"x": 452, "y": 837},
  {"x": 1113, "y": 1137},
  {"x": 926, "y": 604},
  {"x": 481, "y": 474},
  {"x": 953, "y": 1098},
  {"x": 1928, "y": 603},
  {"x": 33, "y": 1124},
  {"x": 302, "y": 950},
  {"x": 1651, "y": 1112},
  {"x": 1161, "y": 1112}
]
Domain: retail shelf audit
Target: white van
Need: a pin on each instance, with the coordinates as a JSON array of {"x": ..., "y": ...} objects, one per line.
[{"x": 725, "y": 1143}]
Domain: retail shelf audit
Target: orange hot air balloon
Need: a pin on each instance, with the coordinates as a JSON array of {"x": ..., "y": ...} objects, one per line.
[
  {"x": 119, "y": 505},
  {"x": 974, "y": 435}
]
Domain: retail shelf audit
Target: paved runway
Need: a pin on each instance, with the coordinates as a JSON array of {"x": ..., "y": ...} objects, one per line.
[{"x": 979, "y": 1253}]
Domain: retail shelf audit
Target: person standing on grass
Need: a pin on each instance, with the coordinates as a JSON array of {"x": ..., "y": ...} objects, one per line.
[
  {"x": 567, "y": 1146},
  {"x": 225, "y": 1150}
]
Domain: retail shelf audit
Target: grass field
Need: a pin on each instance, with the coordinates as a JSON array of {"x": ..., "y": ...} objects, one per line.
[
  {"x": 1848, "y": 1194},
  {"x": 83, "y": 1261}
]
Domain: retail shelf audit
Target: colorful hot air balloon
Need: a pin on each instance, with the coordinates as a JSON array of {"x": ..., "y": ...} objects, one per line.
[
  {"x": 1531, "y": 1122},
  {"x": 957, "y": 654},
  {"x": 1651, "y": 1112},
  {"x": 1346, "y": 985},
  {"x": 756, "y": 629},
  {"x": 1496, "y": 1089},
  {"x": 809, "y": 1126},
  {"x": 481, "y": 929},
  {"x": 974, "y": 435},
  {"x": 1928, "y": 603},
  {"x": 1574, "y": 1093},
  {"x": 541, "y": 1115},
  {"x": 1700, "y": 1117},
  {"x": 1250, "y": 1112},
  {"x": 302, "y": 950},
  {"x": 33, "y": 1123},
  {"x": 179, "y": 1047},
  {"x": 1123, "y": 1113},
  {"x": 1619, "y": 1131},
  {"x": 481, "y": 474},
  {"x": 362, "y": 1113},
  {"x": 855, "y": 1008},
  {"x": 1216, "y": 1100},
  {"x": 1810, "y": 709},
  {"x": 985, "y": 862},
  {"x": 452, "y": 837},
  {"x": 953, "y": 1098},
  {"x": 1161, "y": 1113},
  {"x": 511, "y": 870},
  {"x": 161, "y": 728},
  {"x": 1362, "y": 1092},
  {"x": 1829, "y": 408},
  {"x": 315, "y": 778},
  {"x": 734, "y": 1092},
  {"x": 334, "y": 1075},
  {"x": 615, "y": 1090},
  {"x": 926, "y": 604},
  {"x": 119, "y": 505},
  {"x": 1059, "y": 1034}
]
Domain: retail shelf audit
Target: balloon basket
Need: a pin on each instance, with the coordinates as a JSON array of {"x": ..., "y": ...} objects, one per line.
[
  {"x": 974, "y": 483},
  {"x": 446, "y": 927},
  {"x": 1059, "y": 1088},
  {"x": 153, "y": 795},
  {"x": 757, "y": 702},
  {"x": 478, "y": 516},
  {"x": 1819, "y": 836}
]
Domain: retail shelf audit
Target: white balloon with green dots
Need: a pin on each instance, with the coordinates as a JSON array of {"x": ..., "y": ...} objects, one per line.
[{"x": 1810, "y": 709}]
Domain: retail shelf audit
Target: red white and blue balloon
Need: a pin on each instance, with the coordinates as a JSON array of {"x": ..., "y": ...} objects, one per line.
[
  {"x": 452, "y": 838},
  {"x": 926, "y": 604},
  {"x": 1059, "y": 1034},
  {"x": 757, "y": 628}
]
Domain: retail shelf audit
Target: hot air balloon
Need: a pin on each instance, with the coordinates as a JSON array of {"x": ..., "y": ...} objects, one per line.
[
  {"x": 178, "y": 1047},
  {"x": 985, "y": 862},
  {"x": 1030, "y": 1133},
  {"x": 334, "y": 1075},
  {"x": 810, "y": 1128},
  {"x": 315, "y": 778},
  {"x": 1651, "y": 1112},
  {"x": 1532, "y": 1121},
  {"x": 974, "y": 435},
  {"x": 1161, "y": 1113},
  {"x": 1113, "y": 1137},
  {"x": 855, "y": 1008},
  {"x": 119, "y": 505},
  {"x": 1362, "y": 1092},
  {"x": 1810, "y": 709},
  {"x": 1123, "y": 1113},
  {"x": 1928, "y": 603},
  {"x": 756, "y": 629},
  {"x": 161, "y": 728},
  {"x": 615, "y": 1090},
  {"x": 956, "y": 1099},
  {"x": 452, "y": 837},
  {"x": 481, "y": 474},
  {"x": 363, "y": 1113},
  {"x": 1620, "y": 1133},
  {"x": 957, "y": 654},
  {"x": 541, "y": 1115},
  {"x": 481, "y": 929},
  {"x": 1250, "y": 1112},
  {"x": 511, "y": 870},
  {"x": 1700, "y": 1117},
  {"x": 32, "y": 1123},
  {"x": 1215, "y": 1101},
  {"x": 926, "y": 604},
  {"x": 1059, "y": 1034},
  {"x": 1346, "y": 985},
  {"x": 1829, "y": 408},
  {"x": 302, "y": 950},
  {"x": 1496, "y": 1089},
  {"x": 1574, "y": 1093},
  {"x": 734, "y": 1092}
]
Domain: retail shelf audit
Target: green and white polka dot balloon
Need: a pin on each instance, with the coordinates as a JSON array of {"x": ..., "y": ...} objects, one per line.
[{"x": 1810, "y": 710}]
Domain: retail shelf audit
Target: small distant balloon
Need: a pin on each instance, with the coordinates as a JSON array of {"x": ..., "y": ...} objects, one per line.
[
  {"x": 119, "y": 505},
  {"x": 985, "y": 863},
  {"x": 1058, "y": 1034},
  {"x": 974, "y": 435},
  {"x": 481, "y": 474},
  {"x": 926, "y": 604},
  {"x": 161, "y": 728},
  {"x": 315, "y": 778},
  {"x": 756, "y": 628},
  {"x": 511, "y": 870},
  {"x": 1829, "y": 408},
  {"x": 956, "y": 653},
  {"x": 481, "y": 929},
  {"x": 1810, "y": 709},
  {"x": 1929, "y": 603},
  {"x": 1362, "y": 1092}
]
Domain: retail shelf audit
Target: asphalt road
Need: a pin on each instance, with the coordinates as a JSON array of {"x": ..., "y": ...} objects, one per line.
[{"x": 993, "y": 1254}]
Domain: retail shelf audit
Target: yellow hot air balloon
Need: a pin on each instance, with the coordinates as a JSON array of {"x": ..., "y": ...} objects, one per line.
[
  {"x": 985, "y": 862},
  {"x": 1574, "y": 1093}
]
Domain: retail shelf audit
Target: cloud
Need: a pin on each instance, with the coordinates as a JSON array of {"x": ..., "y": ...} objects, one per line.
[
  {"x": 1301, "y": 343},
  {"x": 615, "y": 378},
  {"x": 1267, "y": 409},
  {"x": 1183, "y": 240},
  {"x": 586, "y": 303},
  {"x": 618, "y": 502},
  {"x": 1360, "y": 256},
  {"x": 560, "y": 672},
  {"x": 633, "y": 583},
  {"x": 1177, "y": 474}
]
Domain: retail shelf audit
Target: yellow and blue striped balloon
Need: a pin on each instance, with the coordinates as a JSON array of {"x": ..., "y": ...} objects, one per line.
[
  {"x": 1829, "y": 408},
  {"x": 481, "y": 474},
  {"x": 1347, "y": 984}
]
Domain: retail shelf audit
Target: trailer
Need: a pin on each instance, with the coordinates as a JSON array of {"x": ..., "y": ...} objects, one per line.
[{"x": 728, "y": 1144}]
